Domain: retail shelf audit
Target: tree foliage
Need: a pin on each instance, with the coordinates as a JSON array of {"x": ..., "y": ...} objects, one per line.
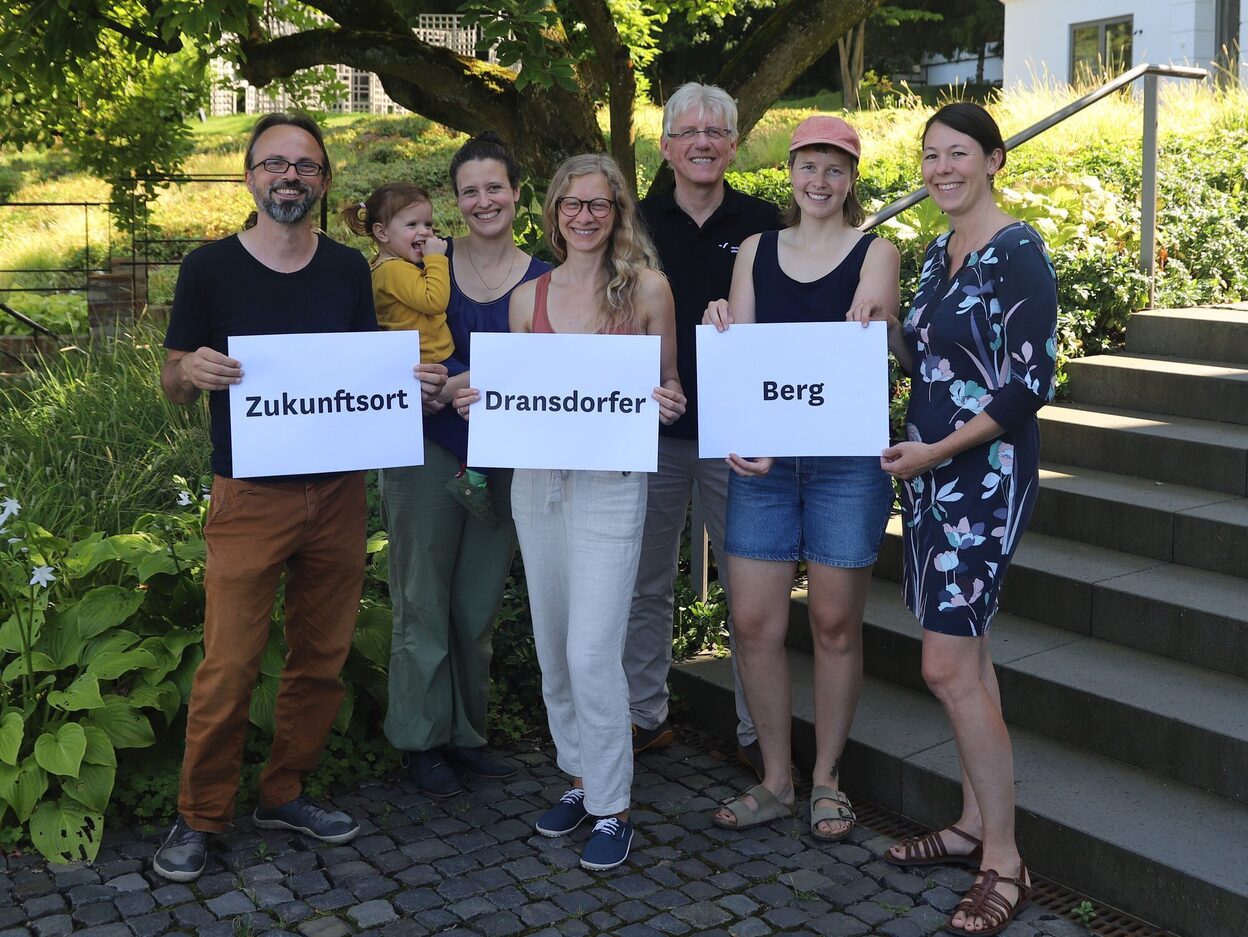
[
  {"x": 122, "y": 112},
  {"x": 944, "y": 27},
  {"x": 575, "y": 55}
]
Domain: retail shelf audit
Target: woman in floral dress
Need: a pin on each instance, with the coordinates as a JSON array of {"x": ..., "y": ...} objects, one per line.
[{"x": 979, "y": 344}]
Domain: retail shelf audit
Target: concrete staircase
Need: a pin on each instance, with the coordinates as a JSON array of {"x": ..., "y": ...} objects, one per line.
[{"x": 1121, "y": 647}]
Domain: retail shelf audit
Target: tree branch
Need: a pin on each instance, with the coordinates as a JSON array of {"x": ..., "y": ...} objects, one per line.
[
  {"x": 544, "y": 125},
  {"x": 364, "y": 14},
  {"x": 614, "y": 59},
  {"x": 155, "y": 43},
  {"x": 785, "y": 45}
]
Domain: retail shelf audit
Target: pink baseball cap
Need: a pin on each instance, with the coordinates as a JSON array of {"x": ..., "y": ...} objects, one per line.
[{"x": 831, "y": 131}]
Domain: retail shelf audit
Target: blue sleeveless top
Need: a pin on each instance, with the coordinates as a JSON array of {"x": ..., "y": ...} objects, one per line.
[
  {"x": 465, "y": 316},
  {"x": 780, "y": 298}
]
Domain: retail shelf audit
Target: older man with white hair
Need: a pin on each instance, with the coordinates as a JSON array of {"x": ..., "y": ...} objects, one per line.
[{"x": 697, "y": 228}]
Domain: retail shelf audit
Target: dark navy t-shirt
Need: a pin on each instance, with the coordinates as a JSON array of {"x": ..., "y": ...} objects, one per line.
[
  {"x": 223, "y": 291},
  {"x": 698, "y": 264}
]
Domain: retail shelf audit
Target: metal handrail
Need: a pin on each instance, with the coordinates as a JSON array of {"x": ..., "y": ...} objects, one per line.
[
  {"x": 1148, "y": 187},
  {"x": 1148, "y": 221}
]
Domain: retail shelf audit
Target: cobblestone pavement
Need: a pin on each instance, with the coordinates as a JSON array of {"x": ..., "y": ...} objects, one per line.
[{"x": 473, "y": 867}]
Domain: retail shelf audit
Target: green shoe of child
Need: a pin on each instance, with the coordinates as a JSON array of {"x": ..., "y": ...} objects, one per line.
[{"x": 474, "y": 496}]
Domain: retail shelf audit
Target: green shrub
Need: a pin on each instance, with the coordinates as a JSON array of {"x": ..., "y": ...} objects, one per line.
[
  {"x": 10, "y": 181},
  {"x": 63, "y": 313},
  {"x": 94, "y": 646},
  {"x": 90, "y": 440}
]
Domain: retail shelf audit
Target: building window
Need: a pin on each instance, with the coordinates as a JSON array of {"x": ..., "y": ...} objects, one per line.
[
  {"x": 360, "y": 81},
  {"x": 1099, "y": 49}
]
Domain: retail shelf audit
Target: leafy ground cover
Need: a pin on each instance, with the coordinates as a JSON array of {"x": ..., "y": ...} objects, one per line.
[{"x": 101, "y": 606}]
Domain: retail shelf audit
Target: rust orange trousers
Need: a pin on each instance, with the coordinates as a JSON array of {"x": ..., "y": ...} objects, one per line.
[{"x": 314, "y": 531}]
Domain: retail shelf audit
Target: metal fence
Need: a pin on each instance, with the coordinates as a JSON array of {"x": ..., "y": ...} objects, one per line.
[{"x": 133, "y": 257}]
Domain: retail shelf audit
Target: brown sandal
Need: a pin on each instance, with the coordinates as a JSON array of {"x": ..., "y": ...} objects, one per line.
[
  {"x": 930, "y": 849},
  {"x": 985, "y": 902}
]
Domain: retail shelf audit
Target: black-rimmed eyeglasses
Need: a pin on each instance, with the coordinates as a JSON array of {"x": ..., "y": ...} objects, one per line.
[
  {"x": 598, "y": 207},
  {"x": 712, "y": 133},
  {"x": 304, "y": 167}
]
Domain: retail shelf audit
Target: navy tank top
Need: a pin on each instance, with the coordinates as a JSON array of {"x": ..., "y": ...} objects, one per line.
[{"x": 780, "y": 298}]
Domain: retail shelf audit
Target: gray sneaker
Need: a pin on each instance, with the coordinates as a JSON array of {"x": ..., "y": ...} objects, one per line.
[
  {"x": 304, "y": 816},
  {"x": 183, "y": 854}
]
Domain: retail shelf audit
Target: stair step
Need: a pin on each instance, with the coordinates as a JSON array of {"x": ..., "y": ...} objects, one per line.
[
  {"x": 1190, "y": 615},
  {"x": 1165, "y": 448},
  {"x": 1162, "y": 715},
  {"x": 1174, "y": 855},
  {"x": 1191, "y": 333},
  {"x": 1205, "y": 390},
  {"x": 1194, "y": 526}
]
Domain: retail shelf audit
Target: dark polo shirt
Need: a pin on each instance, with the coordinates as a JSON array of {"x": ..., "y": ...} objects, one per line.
[{"x": 698, "y": 264}]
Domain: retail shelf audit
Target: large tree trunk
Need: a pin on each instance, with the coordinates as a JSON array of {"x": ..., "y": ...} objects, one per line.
[{"x": 543, "y": 125}]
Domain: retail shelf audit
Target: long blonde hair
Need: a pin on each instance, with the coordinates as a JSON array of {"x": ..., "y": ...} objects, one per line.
[{"x": 629, "y": 249}]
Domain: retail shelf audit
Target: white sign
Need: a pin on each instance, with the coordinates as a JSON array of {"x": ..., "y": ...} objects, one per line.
[
  {"x": 565, "y": 401},
  {"x": 325, "y": 402},
  {"x": 793, "y": 389}
]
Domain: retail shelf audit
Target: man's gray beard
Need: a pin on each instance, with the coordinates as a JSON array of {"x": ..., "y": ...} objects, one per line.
[{"x": 289, "y": 212}]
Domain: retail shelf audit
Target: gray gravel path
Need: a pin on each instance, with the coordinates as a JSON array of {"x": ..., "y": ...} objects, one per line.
[{"x": 473, "y": 867}]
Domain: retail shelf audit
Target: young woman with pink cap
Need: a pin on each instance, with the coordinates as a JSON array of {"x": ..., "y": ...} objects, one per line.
[{"x": 828, "y": 511}]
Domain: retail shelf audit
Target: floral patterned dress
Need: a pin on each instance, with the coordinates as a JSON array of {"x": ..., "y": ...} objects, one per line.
[{"x": 984, "y": 341}]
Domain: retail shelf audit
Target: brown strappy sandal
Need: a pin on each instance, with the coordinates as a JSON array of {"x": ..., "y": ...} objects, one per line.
[
  {"x": 930, "y": 849},
  {"x": 984, "y": 902}
]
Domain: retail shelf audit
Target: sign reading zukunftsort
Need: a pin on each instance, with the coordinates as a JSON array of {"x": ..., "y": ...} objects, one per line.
[
  {"x": 325, "y": 402},
  {"x": 793, "y": 389},
  {"x": 565, "y": 401}
]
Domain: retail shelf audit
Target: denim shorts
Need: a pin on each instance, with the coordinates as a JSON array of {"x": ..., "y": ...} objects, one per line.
[{"x": 825, "y": 509}]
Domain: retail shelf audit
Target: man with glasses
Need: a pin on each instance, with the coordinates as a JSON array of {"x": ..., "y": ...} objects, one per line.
[
  {"x": 279, "y": 276},
  {"x": 697, "y": 229}
]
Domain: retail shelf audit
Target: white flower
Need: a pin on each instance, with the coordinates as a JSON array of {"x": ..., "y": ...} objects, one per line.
[
  {"x": 13, "y": 540},
  {"x": 42, "y": 576},
  {"x": 184, "y": 498},
  {"x": 8, "y": 508}
]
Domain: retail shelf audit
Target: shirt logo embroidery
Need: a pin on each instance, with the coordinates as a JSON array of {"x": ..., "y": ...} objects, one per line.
[{"x": 726, "y": 246}]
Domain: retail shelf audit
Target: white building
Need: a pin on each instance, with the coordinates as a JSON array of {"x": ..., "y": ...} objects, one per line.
[
  {"x": 1064, "y": 40},
  {"x": 961, "y": 68}
]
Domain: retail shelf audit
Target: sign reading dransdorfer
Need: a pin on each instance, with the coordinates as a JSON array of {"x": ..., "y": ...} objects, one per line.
[
  {"x": 793, "y": 389},
  {"x": 565, "y": 401},
  {"x": 325, "y": 402}
]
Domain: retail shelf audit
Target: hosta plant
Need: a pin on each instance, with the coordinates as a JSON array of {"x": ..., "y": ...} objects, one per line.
[{"x": 99, "y": 636}]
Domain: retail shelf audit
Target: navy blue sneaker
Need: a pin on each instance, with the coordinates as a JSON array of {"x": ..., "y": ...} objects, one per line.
[
  {"x": 478, "y": 762},
  {"x": 608, "y": 846},
  {"x": 304, "y": 816},
  {"x": 183, "y": 854},
  {"x": 431, "y": 774},
  {"x": 565, "y": 816}
]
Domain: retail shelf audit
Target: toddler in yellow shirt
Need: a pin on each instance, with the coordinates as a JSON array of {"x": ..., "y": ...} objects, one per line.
[{"x": 411, "y": 290}]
